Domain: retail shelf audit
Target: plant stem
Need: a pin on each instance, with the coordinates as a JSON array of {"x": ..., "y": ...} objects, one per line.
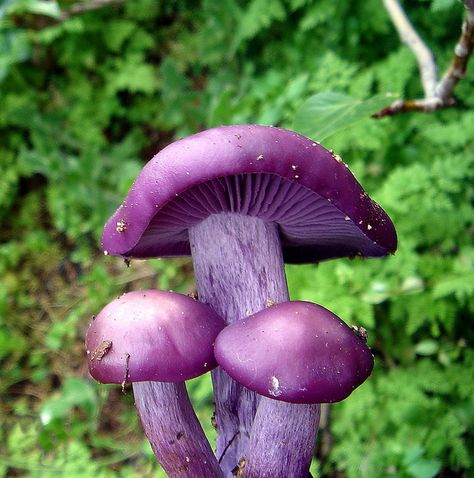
[
  {"x": 283, "y": 440},
  {"x": 239, "y": 270},
  {"x": 174, "y": 431}
]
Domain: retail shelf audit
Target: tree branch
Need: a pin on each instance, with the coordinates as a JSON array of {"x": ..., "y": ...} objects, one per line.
[
  {"x": 87, "y": 6},
  {"x": 438, "y": 94},
  {"x": 462, "y": 51},
  {"x": 39, "y": 21},
  {"x": 410, "y": 37}
]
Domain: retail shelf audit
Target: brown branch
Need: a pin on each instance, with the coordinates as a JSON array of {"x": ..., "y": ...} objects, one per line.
[
  {"x": 88, "y": 6},
  {"x": 325, "y": 439},
  {"x": 441, "y": 95},
  {"x": 462, "y": 51},
  {"x": 38, "y": 21},
  {"x": 425, "y": 105}
]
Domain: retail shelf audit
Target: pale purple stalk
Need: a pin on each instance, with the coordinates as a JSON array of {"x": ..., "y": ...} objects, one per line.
[
  {"x": 239, "y": 270},
  {"x": 283, "y": 440},
  {"x": 174, "y": 431}
]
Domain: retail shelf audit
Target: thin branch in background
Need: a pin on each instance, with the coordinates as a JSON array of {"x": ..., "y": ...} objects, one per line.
[
  {"x": 87, "y": 6},
  {"x": 438, "y": 94},
  {"x": 410, "y": 37},
  {"x": 462, "y": 51},
  {"x": 325, "y": 440}
]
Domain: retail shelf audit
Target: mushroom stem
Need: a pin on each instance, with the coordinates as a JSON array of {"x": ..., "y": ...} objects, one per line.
[
  {"x": 239, "y": 269},
  {"x": 283, "y": 440},
  {"x": 174, "y": 431}
]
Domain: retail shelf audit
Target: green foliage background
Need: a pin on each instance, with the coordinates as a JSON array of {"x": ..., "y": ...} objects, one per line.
[{"x": 86, "y": 100}]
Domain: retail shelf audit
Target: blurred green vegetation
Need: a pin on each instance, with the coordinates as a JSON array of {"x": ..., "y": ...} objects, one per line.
[{"x": 86, "y": 99}]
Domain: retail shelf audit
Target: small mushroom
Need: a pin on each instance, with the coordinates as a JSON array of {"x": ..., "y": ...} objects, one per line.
[
  {"x": 156, "y": 340},
  {"x": 298, "y": 355},
  {"x": 241, "y": 219}
]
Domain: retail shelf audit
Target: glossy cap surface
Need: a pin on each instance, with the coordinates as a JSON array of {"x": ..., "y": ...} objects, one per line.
[
  {"x": 152, "y": 335},
  {"x": 296, "y": 352},
  {"x": 272, "y": 173}
]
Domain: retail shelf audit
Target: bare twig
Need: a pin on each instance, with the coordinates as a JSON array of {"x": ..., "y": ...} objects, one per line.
[
  {"x": 426, "y": 105},
  {"x": 325, "y": 439},
  {"x": 438, "y": 94},
  {"x": 410, "y": 37},
  {"x": 462, "y": 51},
  {"x": 40, "y": 21},
  {"x": 87, "y": 6}
]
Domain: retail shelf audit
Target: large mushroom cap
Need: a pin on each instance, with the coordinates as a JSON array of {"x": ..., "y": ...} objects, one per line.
[
  {"x": 272, "y": 173},
  {"x": 152, "y": 335},
  {"x": 295, "y": 352}
]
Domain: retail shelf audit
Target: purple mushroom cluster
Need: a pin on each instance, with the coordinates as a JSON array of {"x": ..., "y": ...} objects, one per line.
[{"x": 242, "y": 201}]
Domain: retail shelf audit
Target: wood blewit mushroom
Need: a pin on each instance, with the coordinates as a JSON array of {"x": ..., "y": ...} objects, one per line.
[
  {"x": 242, "y": 200},
  {"x": 156, "y": 340},
  {"x": 297, "y": 355}
]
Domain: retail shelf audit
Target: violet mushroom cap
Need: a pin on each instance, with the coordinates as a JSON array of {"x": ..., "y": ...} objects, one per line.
[
  {"x": 152, "y": 335},
  {"x": 156, "y": 340},
  {"x": 272, "y": 173},
  {"x": 297, "y": 352}
]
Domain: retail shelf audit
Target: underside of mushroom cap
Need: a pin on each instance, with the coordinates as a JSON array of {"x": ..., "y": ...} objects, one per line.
[
  {"x": 296, "y": 352},
  {"x": 152, "y": 335},
  {"x": 275, "y": 174}
]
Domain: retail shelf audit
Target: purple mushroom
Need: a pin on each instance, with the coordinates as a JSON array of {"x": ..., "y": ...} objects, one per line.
[
  {"x": 157, "y": 340},
  {"x": 299, "y": 355},
  {"x": 242, "y": 200}
]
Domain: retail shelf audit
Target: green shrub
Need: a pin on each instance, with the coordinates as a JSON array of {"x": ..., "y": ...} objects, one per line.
[{"x": 86, "y": 100}]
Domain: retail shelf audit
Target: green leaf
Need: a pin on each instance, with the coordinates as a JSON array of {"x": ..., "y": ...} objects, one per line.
[
  {"x": 117, "y": 33},
  {"x": 14, "y": 48},
  {"x": 377, "y": 293},
  {"x": 461, "y": 285},
  {"x": 48, "y": 8},
  {"x": 260, "y": 15},
  {"x": 326, "y": 113},
  {"x": 440, "y": 5},
  {"x": 133, "y": 74},
  {"x": 5, "y": 7},
  {"x": 422, "y": 468},
  {"x": 426, "y": 347},
  {"x": 75, "y": 392}
]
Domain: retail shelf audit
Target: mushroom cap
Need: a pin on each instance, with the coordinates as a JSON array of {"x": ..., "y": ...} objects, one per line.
[
  {"x": 152, "y": 335},
  {"x": 272, "y": 173},
  {"x": 296, "y": 352}
]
